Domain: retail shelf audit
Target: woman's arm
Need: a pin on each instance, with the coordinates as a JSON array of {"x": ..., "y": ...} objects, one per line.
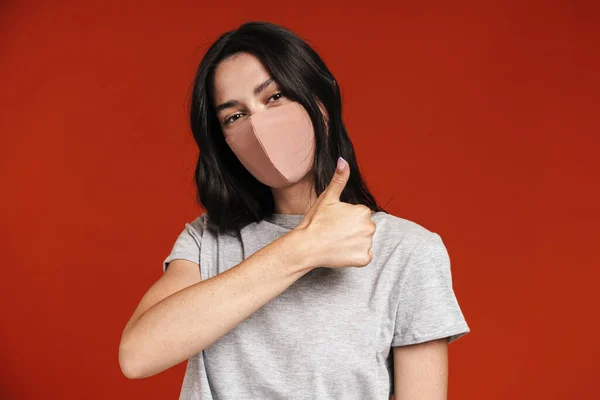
[
  {"x": 179, "y": 316},
  {"x": 421, "y": 371}
]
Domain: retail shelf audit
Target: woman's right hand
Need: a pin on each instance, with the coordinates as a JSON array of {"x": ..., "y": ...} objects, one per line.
[{"x": 340, "y": 234}]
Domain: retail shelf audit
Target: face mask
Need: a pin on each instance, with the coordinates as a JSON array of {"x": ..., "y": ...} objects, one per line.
[{"x": 276, "y": 146}]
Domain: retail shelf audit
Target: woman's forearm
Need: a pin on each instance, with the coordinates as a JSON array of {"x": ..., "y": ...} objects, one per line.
[{"x": 192, "y": 319}]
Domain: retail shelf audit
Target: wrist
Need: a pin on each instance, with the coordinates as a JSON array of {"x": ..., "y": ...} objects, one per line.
[{"x": 303, "y": 250}]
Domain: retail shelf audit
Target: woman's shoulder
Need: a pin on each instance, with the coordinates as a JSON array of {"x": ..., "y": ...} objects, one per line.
[
  {"x": 396, "y": 226},
  {"x": 198, "y": 224},
  {"x": 405, "y": 236}
]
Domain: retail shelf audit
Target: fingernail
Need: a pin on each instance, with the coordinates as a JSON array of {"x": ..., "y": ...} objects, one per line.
[{"x": 340, "y": 164}]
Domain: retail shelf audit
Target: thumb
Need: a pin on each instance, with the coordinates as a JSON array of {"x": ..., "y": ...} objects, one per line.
[{"x": 339, "y": 180}]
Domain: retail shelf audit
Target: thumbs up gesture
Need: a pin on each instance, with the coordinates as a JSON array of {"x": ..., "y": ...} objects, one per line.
[{"x": 341, "y": 234}]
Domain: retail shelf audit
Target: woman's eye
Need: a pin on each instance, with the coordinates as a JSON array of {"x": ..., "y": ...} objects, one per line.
[
  {"x": 276, "y": 96},
  {"x": 232, "y": 118}
]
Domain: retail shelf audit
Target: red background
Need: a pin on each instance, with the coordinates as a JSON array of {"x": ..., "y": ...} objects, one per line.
[{"x": 478, "y": 121}]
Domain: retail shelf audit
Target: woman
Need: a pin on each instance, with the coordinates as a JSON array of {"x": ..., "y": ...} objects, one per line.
[{"x": 294, "y": 283}]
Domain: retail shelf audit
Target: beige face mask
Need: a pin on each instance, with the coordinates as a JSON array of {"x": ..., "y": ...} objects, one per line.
[{"x": 276, "y": 145}]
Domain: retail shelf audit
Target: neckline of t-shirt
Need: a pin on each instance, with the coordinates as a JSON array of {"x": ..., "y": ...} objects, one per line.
[{"x": 289, "y": 221}]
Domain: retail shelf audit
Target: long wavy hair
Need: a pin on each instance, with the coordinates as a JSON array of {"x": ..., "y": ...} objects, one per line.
[{"x": 231, "y": 195}]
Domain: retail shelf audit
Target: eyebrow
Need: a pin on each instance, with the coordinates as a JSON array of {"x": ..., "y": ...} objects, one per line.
[{"x": 233, "y": 103}]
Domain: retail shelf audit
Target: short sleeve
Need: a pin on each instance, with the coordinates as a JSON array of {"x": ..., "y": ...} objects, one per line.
[
  {"x": 187, "y": 245},
  {"x": 428, "y": 308}
]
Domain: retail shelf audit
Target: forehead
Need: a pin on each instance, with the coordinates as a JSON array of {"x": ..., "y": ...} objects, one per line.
[{"x": 237, "y": 76}]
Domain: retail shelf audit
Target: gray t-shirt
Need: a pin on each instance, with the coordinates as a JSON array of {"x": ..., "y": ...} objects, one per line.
[{"x": 330, "y": 334}]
